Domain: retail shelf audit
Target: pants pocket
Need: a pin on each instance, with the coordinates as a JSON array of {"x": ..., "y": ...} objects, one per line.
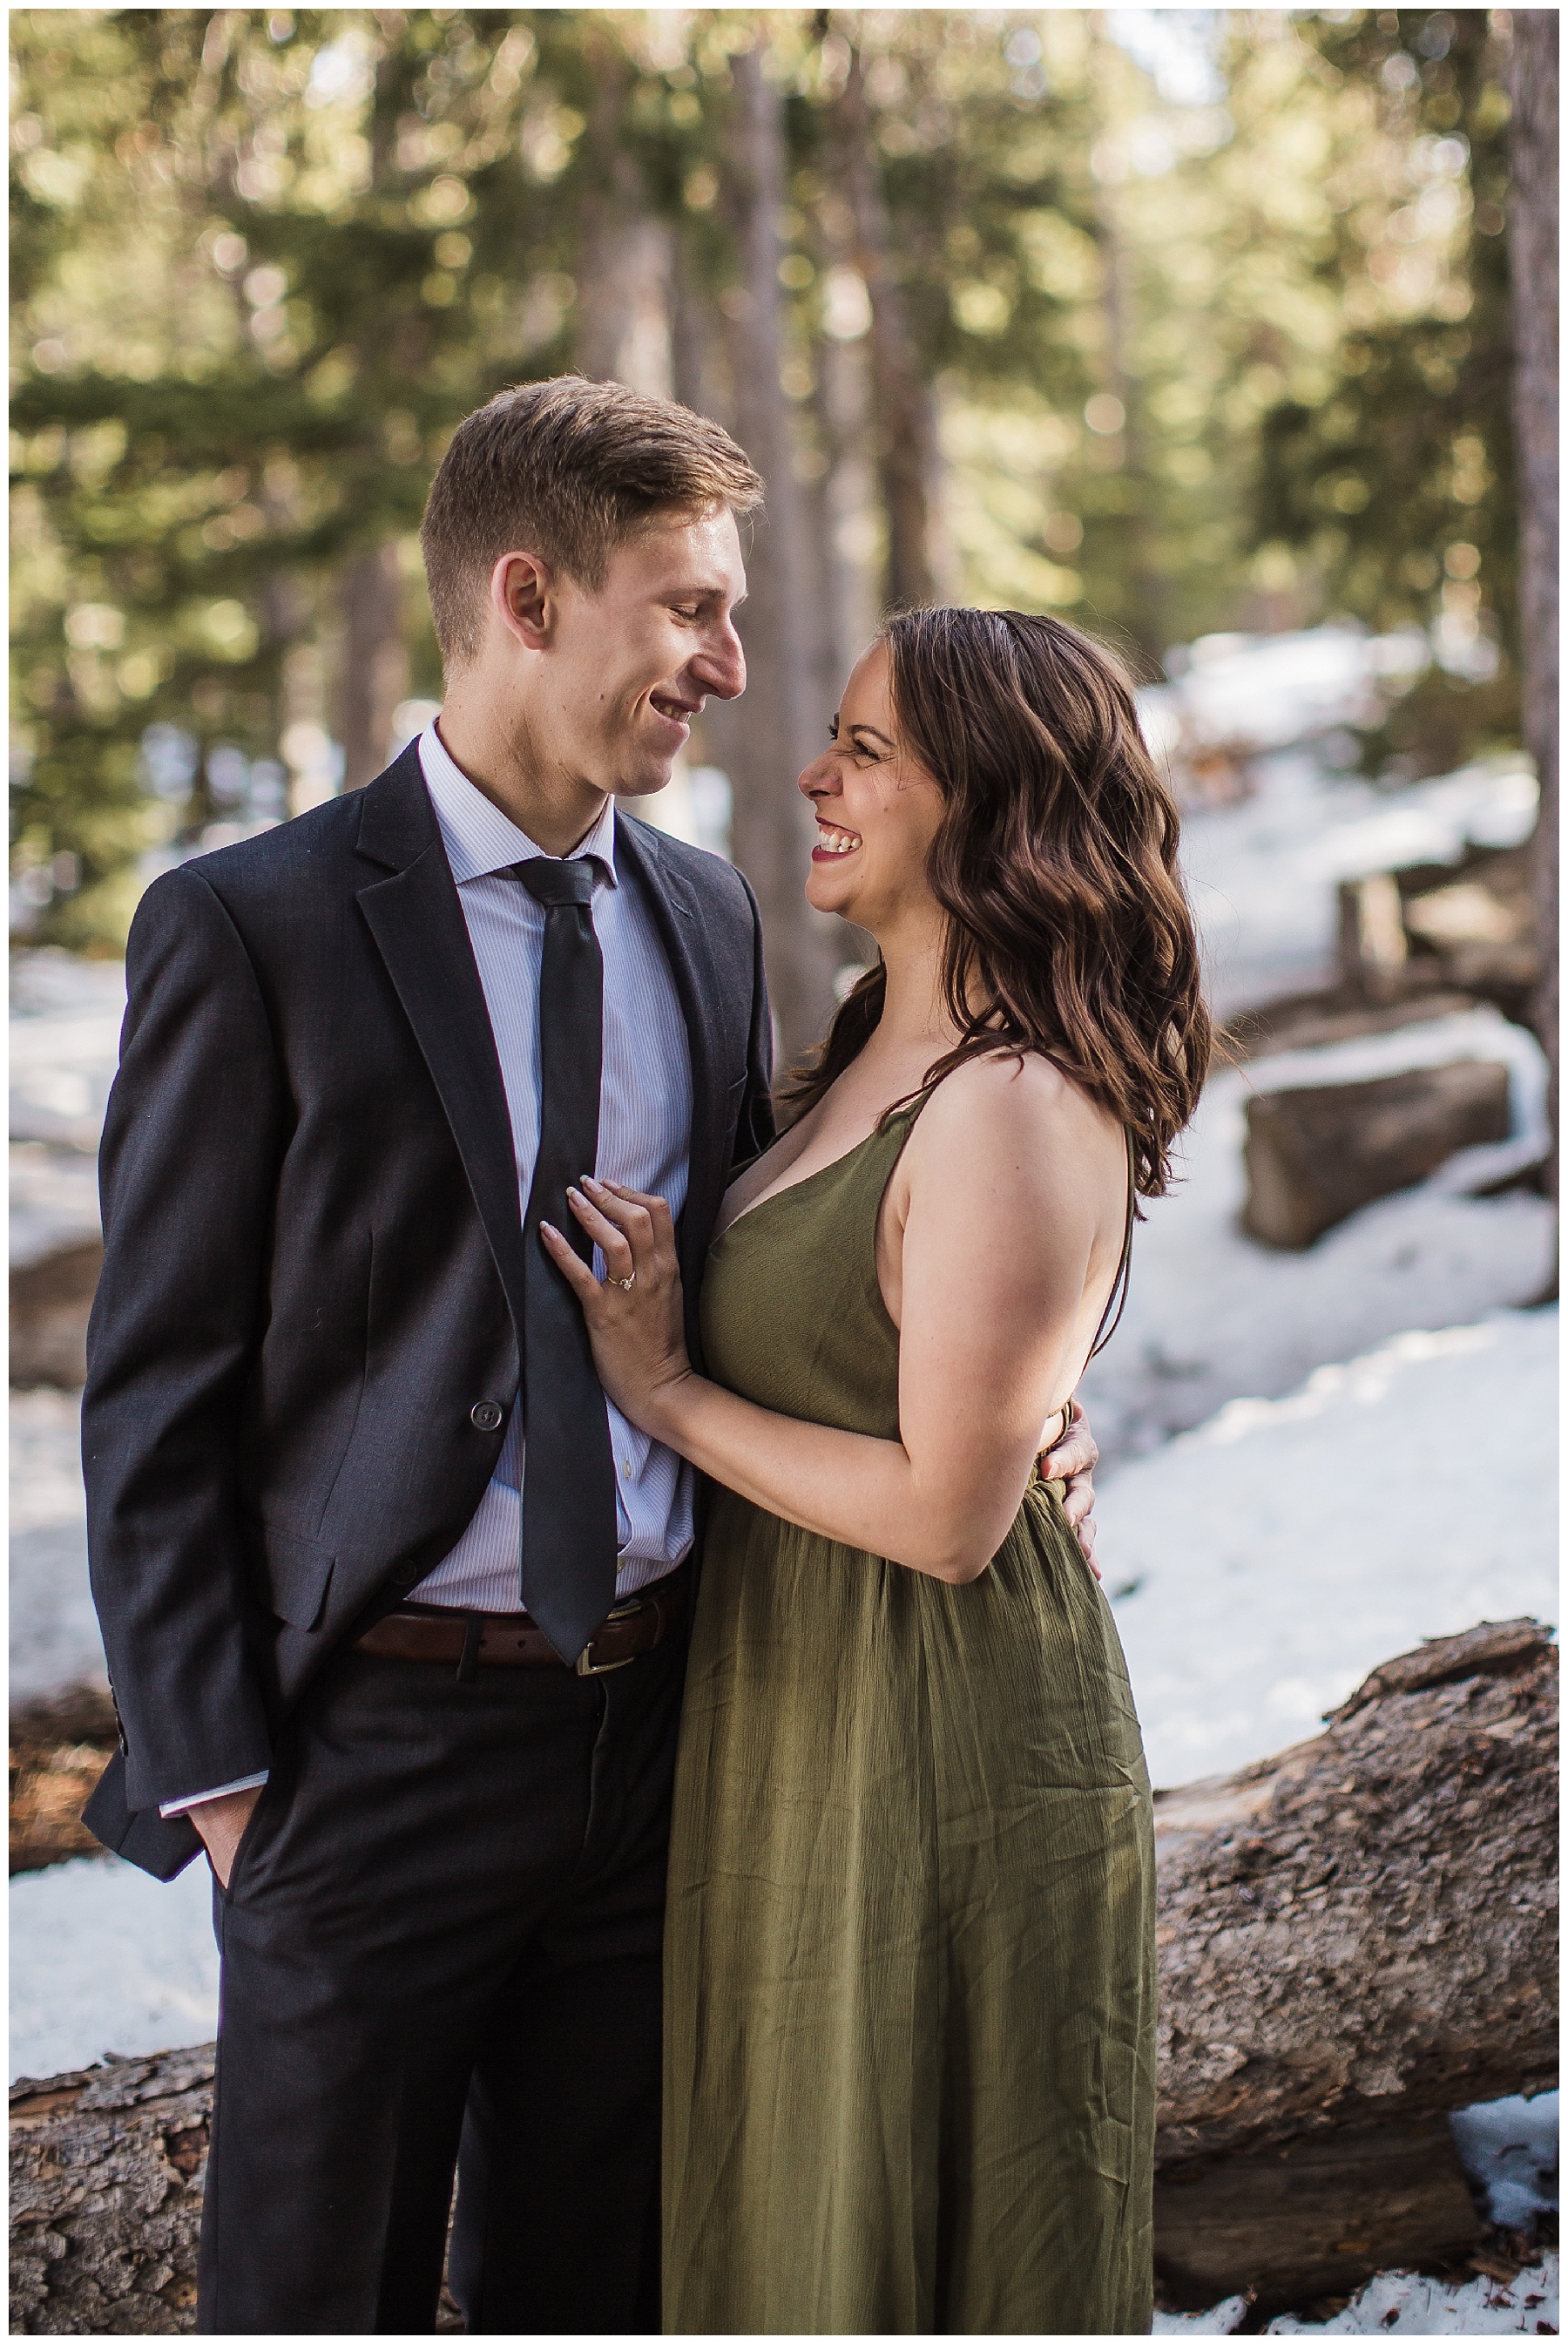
[{"x": 247, "y": 1839}]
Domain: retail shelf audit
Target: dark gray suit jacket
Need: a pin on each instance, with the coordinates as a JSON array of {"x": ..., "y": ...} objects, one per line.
[{"x": 312, "y": 1265}]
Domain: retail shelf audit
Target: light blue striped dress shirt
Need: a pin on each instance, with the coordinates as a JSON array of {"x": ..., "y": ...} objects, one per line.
[{"x": 643, "y": 1141}]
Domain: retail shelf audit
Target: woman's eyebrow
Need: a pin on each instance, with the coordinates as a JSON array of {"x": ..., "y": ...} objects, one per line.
[{"x": 873, "y": 732}]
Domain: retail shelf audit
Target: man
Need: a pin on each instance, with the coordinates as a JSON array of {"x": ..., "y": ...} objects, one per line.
[{"x": 394, "y": 1602}]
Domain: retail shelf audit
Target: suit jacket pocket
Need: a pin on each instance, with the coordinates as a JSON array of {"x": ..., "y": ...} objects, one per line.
[{"x": 297, "y": 1572}]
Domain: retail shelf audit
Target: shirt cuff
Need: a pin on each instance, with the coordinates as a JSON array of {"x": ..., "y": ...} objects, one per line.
[{"x": 200, "y": 1798}]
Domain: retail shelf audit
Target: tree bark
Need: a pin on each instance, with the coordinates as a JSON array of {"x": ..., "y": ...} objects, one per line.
[
  {"x": 1145, "y": 616},
  {"x": 1364, "y": 1929},
  {"x": 373, "y": 673},
  {"x": 1355, "y": 1937},
  {"x": 1532, "y": 258},
  {"x": 107, "y": 2169},
  {"x": 694, "y": 347},
  {"x": 624, "y": 254},
  {"x": 1316, "y": 2218},
  {"x": 778, "y": 727},
  {"x": 372, "y": 658},
  {"x": 903, "y": 410}
]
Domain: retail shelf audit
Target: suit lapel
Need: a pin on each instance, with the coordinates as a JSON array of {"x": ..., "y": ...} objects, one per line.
[
  {"x": 418, "y": 926},
  {"x": 686, "y": 942}
]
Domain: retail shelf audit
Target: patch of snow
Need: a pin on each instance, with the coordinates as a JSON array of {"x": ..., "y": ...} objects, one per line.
[
  {"x": 1249, "y": 693},
  {"x": 104, "y": 1958},
  {"x": 53, "y": 1200},
  {"x": 1220, "y": 2320},
  {"x": 1404, "y": 2303},
  {"x": 1212, "y": 1314},
  {"x": 1259, "y": 1567},
  {"x": 1508, "y": 2147},
  {"x": 65, "y": 1017},
  {"x": 54, "y": 1640},
  {"x": 1262, "y": 875}
]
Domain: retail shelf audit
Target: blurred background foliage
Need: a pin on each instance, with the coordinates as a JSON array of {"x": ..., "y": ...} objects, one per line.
[{"x": 1175, "y": 322}]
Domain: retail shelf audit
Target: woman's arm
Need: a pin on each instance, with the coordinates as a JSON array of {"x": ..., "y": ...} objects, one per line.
[{"x": 1009, "y": 1183}]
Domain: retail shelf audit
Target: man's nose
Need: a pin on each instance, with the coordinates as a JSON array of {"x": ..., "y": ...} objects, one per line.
[{"x": 721, "y": 665}]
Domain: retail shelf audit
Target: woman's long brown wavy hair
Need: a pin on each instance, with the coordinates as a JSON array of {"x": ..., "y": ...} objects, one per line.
[{"x": 1069, "y": 930}]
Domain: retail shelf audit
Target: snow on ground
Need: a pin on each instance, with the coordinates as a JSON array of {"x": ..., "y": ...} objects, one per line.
[
  {"x": 1212, "y": 1315},
  {"x": 53, "y": 1200},
  {"x": 65, "y": 1016},
  {"x": 1264, "y": 874},
  {"x": 55, "y": 1639},
  {"x": 104, "y": 1958},
  {"x": 1510, "y": 2146},
  {"x": 1404, "y": 2303},
  {"x": 1261, "y": 1567},
  {"x": 1249, "y": 693}
]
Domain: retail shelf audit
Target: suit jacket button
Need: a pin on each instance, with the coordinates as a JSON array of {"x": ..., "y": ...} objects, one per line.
[{"x": 485, "y": 1414}]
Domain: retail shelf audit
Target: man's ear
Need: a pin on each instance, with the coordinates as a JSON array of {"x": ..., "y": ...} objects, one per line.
[{"x": 522, "y": 590}]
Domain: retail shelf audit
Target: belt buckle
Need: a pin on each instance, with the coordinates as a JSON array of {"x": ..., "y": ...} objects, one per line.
[{"x": 584, "y": 1667}]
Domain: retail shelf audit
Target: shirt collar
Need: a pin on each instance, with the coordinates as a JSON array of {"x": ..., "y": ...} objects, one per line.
[{"x": 478, "y": 837}]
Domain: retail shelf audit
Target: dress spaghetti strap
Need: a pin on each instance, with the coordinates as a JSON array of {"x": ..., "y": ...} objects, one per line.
[{"x": 1117, "y": 1294}]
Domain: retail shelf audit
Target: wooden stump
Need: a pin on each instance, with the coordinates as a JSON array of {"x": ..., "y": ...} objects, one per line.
[
  {"x": 1470, "y": 923},
  {"x": 1315, "y": 1156},
  {"x": 50, "y": 1303}
]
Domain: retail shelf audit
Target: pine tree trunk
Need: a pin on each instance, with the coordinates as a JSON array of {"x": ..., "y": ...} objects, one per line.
[
  {"x": 1532, "y": 258},
  {"x": 903, "y": 410},
  {"x": 373, "y": 663},
  {"x": 624, "y": 255},
  {"x": 372, "y": 668},
  {"x": 1145, "y": 613},
  {"x": 696, "y": 352},
  {"x": 778, "y": 727}
]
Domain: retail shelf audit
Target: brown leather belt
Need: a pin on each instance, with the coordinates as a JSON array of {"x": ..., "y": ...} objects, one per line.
[{"x": 510, "y": 1639}]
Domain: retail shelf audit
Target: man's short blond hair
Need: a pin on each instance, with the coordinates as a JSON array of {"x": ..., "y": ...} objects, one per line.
[{"x": 567, "y": 469}]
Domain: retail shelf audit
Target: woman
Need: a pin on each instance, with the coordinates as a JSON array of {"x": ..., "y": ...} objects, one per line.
[{"x": 909, "y": 1965}]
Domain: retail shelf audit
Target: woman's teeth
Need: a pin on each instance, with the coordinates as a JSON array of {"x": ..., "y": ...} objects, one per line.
[{"x": 835, "y": 842}]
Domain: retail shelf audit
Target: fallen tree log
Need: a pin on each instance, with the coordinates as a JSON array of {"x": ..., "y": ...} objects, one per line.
[
  {"x": 1364, "y": 1929},
  {"x": 1315, "y": 1156},
  {"x": 51, "y": 1300},
  {"x": 1355, "y": 1938},
  {"x": 1290, "y": 2227},
  {"x": 107, "y": 2169}
]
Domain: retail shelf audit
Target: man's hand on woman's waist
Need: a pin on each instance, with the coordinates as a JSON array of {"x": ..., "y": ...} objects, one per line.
[{"x": 1073, "y": 1461}]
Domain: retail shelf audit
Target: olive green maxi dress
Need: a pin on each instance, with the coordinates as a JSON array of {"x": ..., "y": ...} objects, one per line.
[{"x": 910, "y": 1974}]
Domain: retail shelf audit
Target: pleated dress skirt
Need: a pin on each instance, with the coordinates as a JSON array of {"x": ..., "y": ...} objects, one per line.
[{"x": 910, "y": 1969}]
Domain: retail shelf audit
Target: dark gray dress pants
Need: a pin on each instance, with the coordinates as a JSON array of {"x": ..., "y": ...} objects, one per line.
[{"x": 443, "y": 1923}]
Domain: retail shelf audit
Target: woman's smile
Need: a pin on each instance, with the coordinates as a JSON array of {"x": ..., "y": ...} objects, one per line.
[{"x": 833, "y": 841}]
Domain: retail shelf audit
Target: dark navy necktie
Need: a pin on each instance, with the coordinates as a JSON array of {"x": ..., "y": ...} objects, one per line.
[{"x": 568, "y": 1512}]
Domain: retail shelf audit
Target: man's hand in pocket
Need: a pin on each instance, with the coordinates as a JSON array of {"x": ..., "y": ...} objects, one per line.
[{"x": 221, "y": 1822}]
